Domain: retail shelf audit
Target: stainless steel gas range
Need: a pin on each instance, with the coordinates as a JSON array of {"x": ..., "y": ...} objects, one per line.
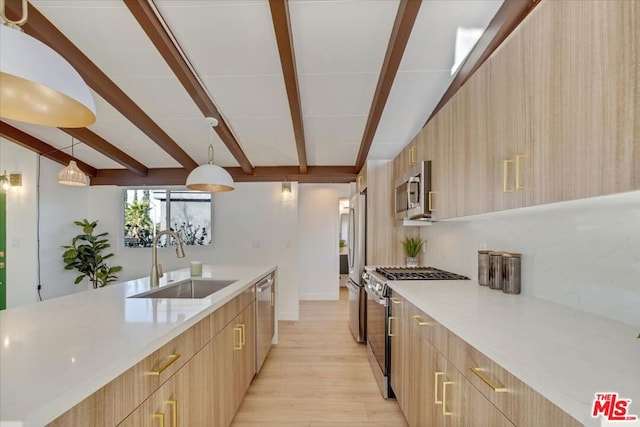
[{"x": 376, "y": 280}]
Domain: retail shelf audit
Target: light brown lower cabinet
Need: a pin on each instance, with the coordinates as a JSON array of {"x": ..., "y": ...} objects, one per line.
[
  {"x": 196, "y": 380},
  {"x": 234, "y": 352},
  {"x": 186, "y": 399},
  {"x": 447, "y": 382}
]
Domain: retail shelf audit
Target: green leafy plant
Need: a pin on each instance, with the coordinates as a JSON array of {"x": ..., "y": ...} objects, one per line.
[
  {"x": 343, "y": 243},
  {"x": 412, "y": 246},
  {"x": 137, "y": 222},
  {"x": 85, "y": 255}
]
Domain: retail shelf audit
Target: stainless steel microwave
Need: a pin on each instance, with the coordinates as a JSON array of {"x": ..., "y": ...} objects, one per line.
[{"x": 412, "y": 193}]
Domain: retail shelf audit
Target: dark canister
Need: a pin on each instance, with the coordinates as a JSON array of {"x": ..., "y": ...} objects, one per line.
[
  {"x": 511, "y": 270},
  {"x": 495, "y": 270},
  {"x": 483, "y": 268}
]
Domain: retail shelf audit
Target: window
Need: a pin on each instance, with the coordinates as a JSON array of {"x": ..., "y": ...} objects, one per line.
[{"x": 148, "y": 211}]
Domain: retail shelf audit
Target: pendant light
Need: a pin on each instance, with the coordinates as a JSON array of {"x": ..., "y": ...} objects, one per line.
[
  {"x": 37, "y": 85},
  {"x": 71, "y": 174},
  {"x": 210, "y": 177}
]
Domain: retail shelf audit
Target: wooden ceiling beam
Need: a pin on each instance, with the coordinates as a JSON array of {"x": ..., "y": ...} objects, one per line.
[
  {"x": 40, "y": 147},
  {"x": 150, "y": 20},
  {"x": 39, "y": 27},
  {"x": 178, "y": 176},
  {"x": 102, "y": 146},
  {"x": 282, "y": 28},
  {"x": 405, "y": 18},
  {"x": 508, "y": 17}
]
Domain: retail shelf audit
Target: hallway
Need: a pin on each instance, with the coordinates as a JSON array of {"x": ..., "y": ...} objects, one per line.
[{"x": 317, "y": 376}]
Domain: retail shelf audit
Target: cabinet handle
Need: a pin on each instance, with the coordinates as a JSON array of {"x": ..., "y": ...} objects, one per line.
[
  {"x": 271, "y": 299},
  {"x": 419, "y": 321},
  {"x": 389, "y": 326},
  {"x": 495, "y": 386},
  {"x": 519, "y": 185},
  {"x": 161, "y": 417},
  {"x": 172, "y": 358},
  {"x": 242, "y": 334},
  {"x": 505, "y": 176},
  {"x": 395, "y": 301},
  {"x": 412, "y": 155},
  {"x": 237, "y": 346},
  {"x": 444, "y": 398},
  {"x": 174, "y": 411},
  {"x": 430, "y": 200},
  {"x": 435, "y": 381}
]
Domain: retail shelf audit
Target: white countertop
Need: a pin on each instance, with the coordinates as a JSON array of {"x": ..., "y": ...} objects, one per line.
[
  {"x": 55, "y": 353},
  {"x": 564, "y": 354}
]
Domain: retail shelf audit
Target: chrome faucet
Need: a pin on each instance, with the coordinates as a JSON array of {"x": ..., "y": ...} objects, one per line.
[{"x": 156, "y": 269}]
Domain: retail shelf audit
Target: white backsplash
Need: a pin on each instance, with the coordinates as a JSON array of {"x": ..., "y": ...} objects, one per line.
[{"x": 584, "y": 254}]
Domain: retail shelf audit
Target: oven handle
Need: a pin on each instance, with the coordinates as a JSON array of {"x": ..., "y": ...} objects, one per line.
[{"x": 382, "y": 301}]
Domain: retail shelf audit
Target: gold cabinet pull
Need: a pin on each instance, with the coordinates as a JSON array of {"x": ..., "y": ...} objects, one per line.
[
  {"x": 174, "y": 411},
  {"x": 272, "y": 299},
  {"x": 505, "y": 176},
  {"x": 437, "y": 375},
  {"x": 242, "y": 334},
  {"x": 519, "y": 184},
  {"x": 395, "y": 301},
  {"x": 412, "y": 155},
  {"x": 444, "y": 398},
  {"x": 237, "y": 345},
  {"x": 430, "y": 200},
  {"x": 389, "y": 326},
  {"x": 495, "y": 386},
  {"x": 160, "y": 416},
  {"x": 172, "y": 358},
  {"x": 419, "y": 321}
]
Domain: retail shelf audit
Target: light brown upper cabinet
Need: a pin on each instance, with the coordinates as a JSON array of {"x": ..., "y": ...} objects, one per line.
[{"x": 551, "y": 116}]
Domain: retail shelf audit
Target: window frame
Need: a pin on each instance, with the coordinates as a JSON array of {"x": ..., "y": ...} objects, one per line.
[{"x": 167, "y": 218}]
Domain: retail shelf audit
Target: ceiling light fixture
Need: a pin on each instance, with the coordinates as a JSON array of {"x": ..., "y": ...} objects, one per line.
[
  {"x": 71, "y": 174},
  {"x": 38, "y": 85},
  {"x": 210, "y": 177}
]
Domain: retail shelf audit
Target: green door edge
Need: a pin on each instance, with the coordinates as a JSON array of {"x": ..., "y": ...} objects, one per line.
[{"x": 3, "y": 250}]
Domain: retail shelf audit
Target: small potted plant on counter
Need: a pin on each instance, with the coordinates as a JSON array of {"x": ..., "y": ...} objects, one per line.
[{"x": 412, "y": 247}]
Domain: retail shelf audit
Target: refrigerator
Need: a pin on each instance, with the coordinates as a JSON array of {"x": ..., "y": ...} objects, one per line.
[{"x": 356, "y": 257}]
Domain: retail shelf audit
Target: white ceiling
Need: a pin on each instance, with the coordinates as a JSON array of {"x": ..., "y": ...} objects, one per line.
[{"x": 339, "y": 48}]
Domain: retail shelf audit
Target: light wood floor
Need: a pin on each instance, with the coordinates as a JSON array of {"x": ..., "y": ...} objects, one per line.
[{"x": 317, "y": 376}]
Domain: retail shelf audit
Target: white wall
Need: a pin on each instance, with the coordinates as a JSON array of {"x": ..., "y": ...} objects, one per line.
[
  {"x": 583, "y": 254},
  {"x": 318, "y": 237}
]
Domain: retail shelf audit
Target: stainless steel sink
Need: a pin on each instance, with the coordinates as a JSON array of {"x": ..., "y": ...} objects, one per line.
[{"x": 194, "y": 288}]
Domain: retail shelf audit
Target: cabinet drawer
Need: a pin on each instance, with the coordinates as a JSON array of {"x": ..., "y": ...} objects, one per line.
[
  {"x": 432, "y": 331},
  {"x": 230, "y": 310},
  {"x": 130, "y": 389},
  {"x": 519, "y": 402}
]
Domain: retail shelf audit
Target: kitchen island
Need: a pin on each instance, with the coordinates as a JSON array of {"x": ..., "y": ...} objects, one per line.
[
  {"x": 506, "y": 345},
  {"x": 56, "y": 353}
]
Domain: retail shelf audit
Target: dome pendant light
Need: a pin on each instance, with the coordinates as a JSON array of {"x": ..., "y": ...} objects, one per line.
[
  {"x": 210, "y": 177},
  {"x": 71, "y": 174},
  {"x": 37, "y": 85}
]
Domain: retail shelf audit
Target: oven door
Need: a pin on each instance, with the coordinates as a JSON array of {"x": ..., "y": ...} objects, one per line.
[{"x": 376, "y": 328}]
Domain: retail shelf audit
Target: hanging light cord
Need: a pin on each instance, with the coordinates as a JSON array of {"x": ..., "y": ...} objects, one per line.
[{"x": 39, "y": 286}]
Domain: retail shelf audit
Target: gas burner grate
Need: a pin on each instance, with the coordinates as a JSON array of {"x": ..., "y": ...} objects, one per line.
[{"x": 417, "y": 273}]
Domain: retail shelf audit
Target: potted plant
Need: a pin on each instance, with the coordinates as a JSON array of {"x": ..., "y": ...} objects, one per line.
[
  {"x": 412, "y": 247},
  {"x": 85, "y": 255}
]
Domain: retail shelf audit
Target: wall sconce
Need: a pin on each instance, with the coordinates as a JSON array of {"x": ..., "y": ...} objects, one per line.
[
  {"x": 286, "y": 188},
  {"x": 10, "y": 180}
]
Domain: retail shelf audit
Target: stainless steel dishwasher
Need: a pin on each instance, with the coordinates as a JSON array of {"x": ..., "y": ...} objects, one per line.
[{"x": 265, "y": 317}]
